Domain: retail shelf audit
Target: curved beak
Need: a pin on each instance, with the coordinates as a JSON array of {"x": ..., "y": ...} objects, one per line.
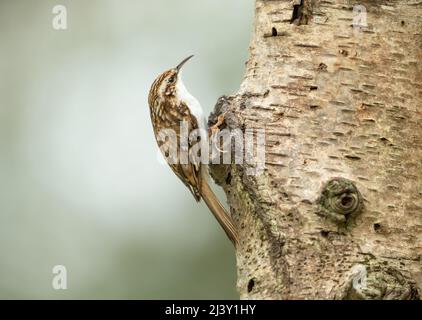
[{"x": 183, "y": 62}]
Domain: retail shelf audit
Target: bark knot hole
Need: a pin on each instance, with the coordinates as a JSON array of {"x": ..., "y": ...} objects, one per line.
[
  {"x": 251, "y": 284},
  {"x": 325, "y": 233},
  {"x": 339, "y": 200},
  {"x": 302, "y": 12},
  {"x": 377, "y": 227}
]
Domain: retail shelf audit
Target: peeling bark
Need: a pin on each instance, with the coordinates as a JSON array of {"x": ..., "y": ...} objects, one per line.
[{"x": 338, "y": 103}]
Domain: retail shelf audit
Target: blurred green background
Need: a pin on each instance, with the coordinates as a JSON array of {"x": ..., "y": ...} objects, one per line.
[{"x": 80, "y": 181}]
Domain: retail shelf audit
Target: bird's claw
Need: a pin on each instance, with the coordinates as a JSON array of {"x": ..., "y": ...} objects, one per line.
[{"x": 214, "y": 129}]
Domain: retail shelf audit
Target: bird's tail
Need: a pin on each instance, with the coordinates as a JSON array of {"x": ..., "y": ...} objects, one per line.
[{"x": 219, "y": 212}]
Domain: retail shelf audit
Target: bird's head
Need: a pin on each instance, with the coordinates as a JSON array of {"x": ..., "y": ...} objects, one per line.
[{"x": 165, "y": 86}]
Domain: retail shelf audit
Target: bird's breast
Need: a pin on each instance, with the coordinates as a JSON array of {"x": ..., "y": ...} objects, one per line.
[{"x": 192, "y": 103}]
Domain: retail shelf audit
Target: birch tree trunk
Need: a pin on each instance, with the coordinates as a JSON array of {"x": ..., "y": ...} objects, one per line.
[{"x": 337, "y": 212}]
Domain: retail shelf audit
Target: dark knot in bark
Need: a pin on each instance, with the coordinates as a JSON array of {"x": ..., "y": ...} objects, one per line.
[{"x": 339, "y": 200}]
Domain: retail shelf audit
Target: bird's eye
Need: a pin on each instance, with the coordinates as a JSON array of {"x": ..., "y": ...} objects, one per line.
[{"x": 171, "y": 80}]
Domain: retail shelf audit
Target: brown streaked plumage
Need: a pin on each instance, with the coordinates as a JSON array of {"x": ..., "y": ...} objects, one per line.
[{"x": 170, "y": 103}]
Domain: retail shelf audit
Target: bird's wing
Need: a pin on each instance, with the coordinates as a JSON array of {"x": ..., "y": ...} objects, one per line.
[{"x": 188, "y": 171}]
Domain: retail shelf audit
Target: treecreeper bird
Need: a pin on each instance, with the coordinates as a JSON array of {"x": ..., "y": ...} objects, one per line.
[{"x": 172, "y": 106}]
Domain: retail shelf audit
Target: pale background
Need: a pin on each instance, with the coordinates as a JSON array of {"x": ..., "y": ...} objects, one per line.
[{"x": 80, "y": 184}]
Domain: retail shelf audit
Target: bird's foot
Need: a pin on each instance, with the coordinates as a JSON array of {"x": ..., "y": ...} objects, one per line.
[
  {"x": 214, "y": 129},
  {"x": 213, "y": 133}
]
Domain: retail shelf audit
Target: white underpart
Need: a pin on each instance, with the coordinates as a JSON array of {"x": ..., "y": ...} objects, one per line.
[
  {"x": 196, "y": 110},
  {"x": 192, "y": 103}
]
